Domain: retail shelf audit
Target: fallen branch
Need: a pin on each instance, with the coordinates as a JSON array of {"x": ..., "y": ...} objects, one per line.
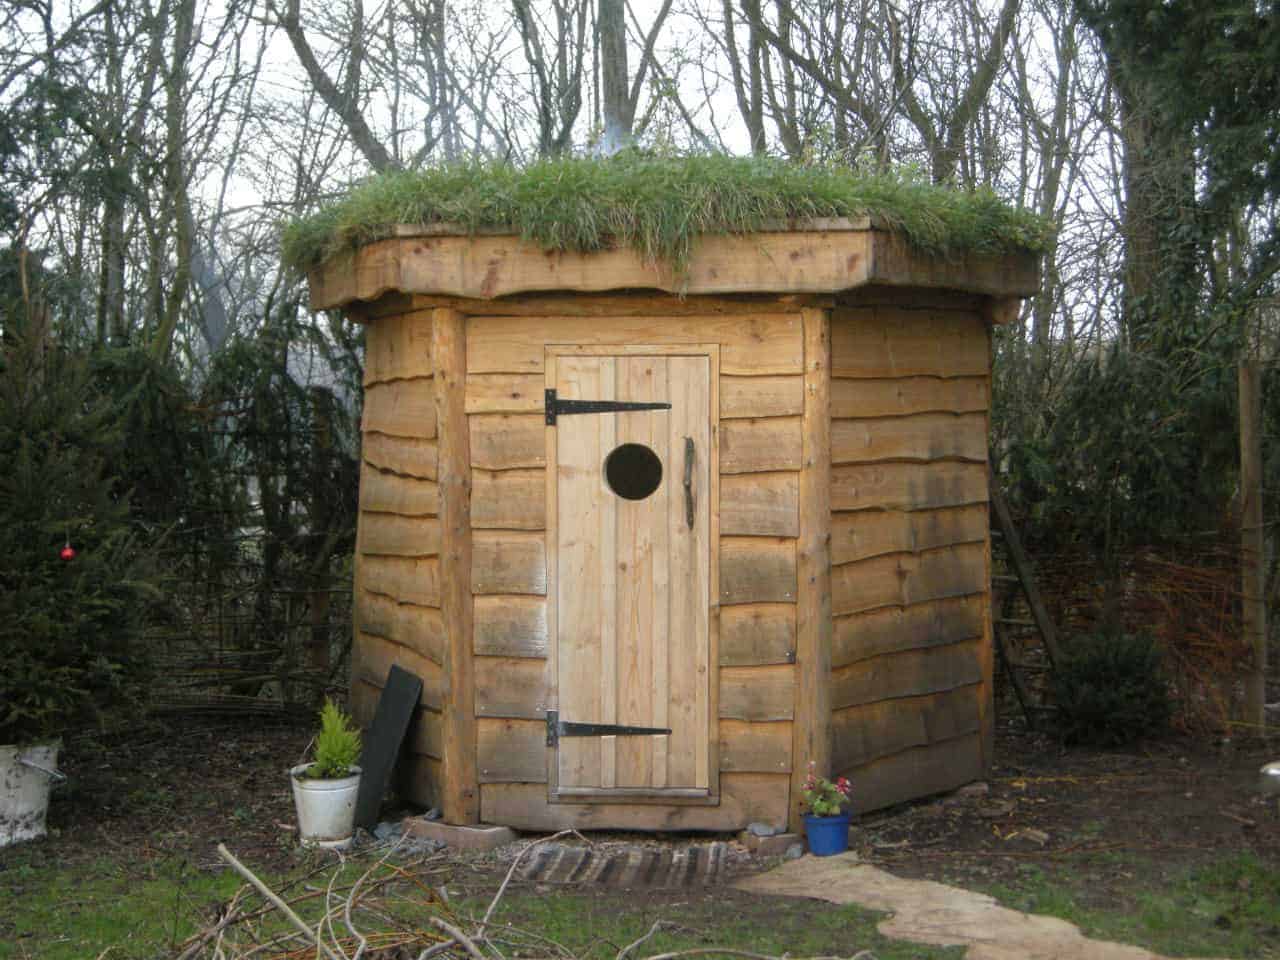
[
  {"x": 459, "y": 938},
  {"x": 267, "y": 892},
  {"x": 653, "y": 931}
]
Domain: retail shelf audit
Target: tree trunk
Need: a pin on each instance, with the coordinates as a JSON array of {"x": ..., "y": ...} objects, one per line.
[{"x": 615, "y": 95}]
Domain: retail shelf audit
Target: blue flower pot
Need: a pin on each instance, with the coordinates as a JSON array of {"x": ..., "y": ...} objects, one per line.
[{"x": 827, "y": 835}]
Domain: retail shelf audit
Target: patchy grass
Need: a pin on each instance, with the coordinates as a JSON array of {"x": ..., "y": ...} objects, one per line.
[
  {"x": 598, "y": 926},
  {"x": 656, "y": 206},
  {"x": 144, "y": 912},
  {"x": 138, "y": 910},
  {"x": 1230, "y": 907}
]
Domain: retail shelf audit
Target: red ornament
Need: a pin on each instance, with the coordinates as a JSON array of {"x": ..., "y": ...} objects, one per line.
[{"x": 67, "y": 553}]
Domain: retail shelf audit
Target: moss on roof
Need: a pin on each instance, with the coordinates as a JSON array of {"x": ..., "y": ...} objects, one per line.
[{"x": 657, "y": 206}]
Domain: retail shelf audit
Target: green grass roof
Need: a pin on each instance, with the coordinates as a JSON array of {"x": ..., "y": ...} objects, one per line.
[{"x": 657, "y": 206}]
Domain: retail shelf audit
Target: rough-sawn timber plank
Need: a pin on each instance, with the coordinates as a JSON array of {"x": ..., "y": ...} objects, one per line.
[
  {"x": 908, "y": 674},
  {"x": 839, "y": 256},
  {"x": 744, "y": 798}
]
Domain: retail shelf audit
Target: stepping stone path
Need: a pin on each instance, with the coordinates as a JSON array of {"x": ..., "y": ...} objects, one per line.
[{"x": 923, "y": 911}]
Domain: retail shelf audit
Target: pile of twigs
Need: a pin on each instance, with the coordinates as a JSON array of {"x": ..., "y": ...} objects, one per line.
[
  {"x": 390, "y": 912},
  {"x": 1191, "y": 605}
]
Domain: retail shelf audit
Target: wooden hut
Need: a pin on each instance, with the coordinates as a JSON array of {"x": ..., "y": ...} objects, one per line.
[{"x": 744, "y": 505}]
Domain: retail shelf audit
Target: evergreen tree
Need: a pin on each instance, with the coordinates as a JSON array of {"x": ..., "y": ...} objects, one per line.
[{"x": 72, "y": 574}]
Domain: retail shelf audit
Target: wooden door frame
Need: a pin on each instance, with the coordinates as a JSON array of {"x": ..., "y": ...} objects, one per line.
[{"x": 673, "y": 796}]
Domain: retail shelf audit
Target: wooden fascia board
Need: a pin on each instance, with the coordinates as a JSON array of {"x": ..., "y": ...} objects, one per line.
[{"x": 844, "y": 255}]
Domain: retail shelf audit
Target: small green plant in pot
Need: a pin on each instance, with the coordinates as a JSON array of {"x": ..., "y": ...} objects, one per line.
[
  {"x": 826, "y": 824},
  {"x": 324, "y": 790}
]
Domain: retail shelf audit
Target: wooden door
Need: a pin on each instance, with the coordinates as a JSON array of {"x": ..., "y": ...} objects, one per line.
[{"x": 632, "y": 569}]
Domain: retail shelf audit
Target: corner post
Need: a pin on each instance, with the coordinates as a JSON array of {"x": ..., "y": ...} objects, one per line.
[
  {"x": 460, "y": 791},
  {"x": 811, "y": 728}
]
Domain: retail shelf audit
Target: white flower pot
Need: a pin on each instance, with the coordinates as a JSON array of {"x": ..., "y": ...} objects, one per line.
[
  {"x": 26, "y": 774},
  {"x": 326, "y": 808}
]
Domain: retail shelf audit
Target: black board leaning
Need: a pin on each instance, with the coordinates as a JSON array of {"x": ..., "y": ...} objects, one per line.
[{"x": 382, "y": 743}]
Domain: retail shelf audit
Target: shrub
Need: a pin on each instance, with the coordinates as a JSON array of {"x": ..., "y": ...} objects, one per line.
[
  {"x": 69, "y": 627},
  {"x": 1110, "y": 690},
  {"x": 337, "y": 745}
]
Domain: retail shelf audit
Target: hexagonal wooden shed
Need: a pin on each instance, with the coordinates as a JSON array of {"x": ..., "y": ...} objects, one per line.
[{"x": 655, "y": 542}]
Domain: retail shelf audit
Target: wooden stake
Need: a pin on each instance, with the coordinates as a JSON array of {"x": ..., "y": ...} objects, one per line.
[
  {"x": 460, "y": 790},
  {"x": 1252, "y": 568},
  {"x": 811, "y": 730}
]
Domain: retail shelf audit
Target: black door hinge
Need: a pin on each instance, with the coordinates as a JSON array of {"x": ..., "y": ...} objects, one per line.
[
  {"x": 557, "y": 728},
  {"x": 557, "y": 407}
]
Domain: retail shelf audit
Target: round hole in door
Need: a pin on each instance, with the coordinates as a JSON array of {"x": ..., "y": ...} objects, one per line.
[{"x": 633, "y": 471}]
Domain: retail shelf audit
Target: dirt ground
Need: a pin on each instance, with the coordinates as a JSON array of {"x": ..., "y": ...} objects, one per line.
[
  {"x": 1166, "y": 806},
  {"x": 183, "y": 787}
]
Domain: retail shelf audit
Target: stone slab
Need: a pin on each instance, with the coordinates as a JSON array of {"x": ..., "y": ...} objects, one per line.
[
  {"x": 774, "y": 846},
  {"x": 923, "y": 911},
  {"x": 483, "y": 837}
]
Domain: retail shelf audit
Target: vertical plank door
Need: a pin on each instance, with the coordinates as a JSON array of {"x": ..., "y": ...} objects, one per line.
[{"x": 632, "y": 579}]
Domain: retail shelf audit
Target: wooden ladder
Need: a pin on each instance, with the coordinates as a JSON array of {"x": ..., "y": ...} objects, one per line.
[{"x": 1028, "y": 644}]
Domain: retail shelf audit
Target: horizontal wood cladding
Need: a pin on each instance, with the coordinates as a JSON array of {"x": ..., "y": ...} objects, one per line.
[
  {"x": 906, "y": 396},
  {"x": 508, "y": 500},
  {"x": 744, "y": 397},
  {"x": 918, "y": 772},
  {"x": 391, "y": 534},
  {"x": 891, "y": 342},
  {"x": 868, "y": 732},
  {"x": 426, "y": 731},
  {"x": 511, "y": 687},
  {"x": 511, "y": 751},
  {"x": 759, "y": 446},
  {"x": 907, "y": 486},
  {"x": 446, "y": 261},
  {"x": 744, "y": 798},
  {"x": 757, "y": 570},
  {"x": 741, "y": 397},
  {"x": 873, "y": 533},
  {"x": 623, "y": 303},
  {"x": 382, "y": 492},
  {"x": 507, "y": 441},
  {"x": 757, "y": 694},
  {"x": 755, "y": 747},
  {"x": 918, "y": 437},
  {"x": 398, "y": 347},
  {"x": 410, "y": 456},
  {"x": 400, "y": 408},
  {"x": 489, "y": 265},
  {"x": 372, "y": 657},
  {"x": 750, "y": 344},
  {"x": 505, "y": 393},
  {"x": 903, "y": 579},
  {"x": 508, "y": 626},
  {"x": 508, "y": 561},
  {"x": 515, "y": 751},
  {"x": 419, "y": 628},
  {"x": 910, "y": 673},
  {"x": 894, "y": 629},
  {"x": 760, "y": 505},
  {"x": 362, "y": 702},
  {"x": 757, "y": 634},
  {"x": 406, "y": 579}
]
